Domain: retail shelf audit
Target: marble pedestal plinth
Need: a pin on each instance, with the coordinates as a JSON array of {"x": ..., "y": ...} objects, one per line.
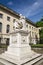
[{"x": 19, "y": 51}]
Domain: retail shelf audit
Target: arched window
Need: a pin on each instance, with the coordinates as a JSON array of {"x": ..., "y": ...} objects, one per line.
[
  {"x": 0, "y": 27},
  {"x": 8, "y": 28},
  {"x": 1, "y": 15}
]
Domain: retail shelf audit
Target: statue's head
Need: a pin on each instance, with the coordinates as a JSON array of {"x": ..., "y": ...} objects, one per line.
[
  {"x": 22, "y": 17},
  {"x": 21, "y": 23}
]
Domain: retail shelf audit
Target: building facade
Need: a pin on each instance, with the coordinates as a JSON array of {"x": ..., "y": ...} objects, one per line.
[{"x": 7, "y": 20}]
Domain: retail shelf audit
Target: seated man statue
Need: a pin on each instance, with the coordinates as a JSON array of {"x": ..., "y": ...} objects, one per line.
[{"x": 20, "y": 24}]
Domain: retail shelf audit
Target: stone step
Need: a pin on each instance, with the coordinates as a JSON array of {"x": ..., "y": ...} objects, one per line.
[
  {"x": 34, "y": 61},
  {"x": 10, "y": 61},
  {"x": 4, "y": 62}
]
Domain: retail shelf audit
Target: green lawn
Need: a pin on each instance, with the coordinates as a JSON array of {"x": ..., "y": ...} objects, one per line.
[
  {"x": 3, "y": 46},
  {"x": 37, "y": 45}
]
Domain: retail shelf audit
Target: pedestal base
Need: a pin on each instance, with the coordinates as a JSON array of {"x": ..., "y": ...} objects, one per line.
[
  {"x": 19, "y": 51},
  {"x": 9, "y": 59}
]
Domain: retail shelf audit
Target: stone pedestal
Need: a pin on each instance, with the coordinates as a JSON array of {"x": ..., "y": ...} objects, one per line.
[
  {"x": 19, "y": 43},
  {"x": 19, "y": 51}
]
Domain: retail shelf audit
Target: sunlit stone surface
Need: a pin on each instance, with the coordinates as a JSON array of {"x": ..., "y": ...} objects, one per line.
[{"x": 19, "y": 51}]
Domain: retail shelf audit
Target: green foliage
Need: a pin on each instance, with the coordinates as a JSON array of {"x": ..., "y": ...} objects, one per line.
[
  {"x": 40, "y": 23},
  {"x": 41, "y": 33}
]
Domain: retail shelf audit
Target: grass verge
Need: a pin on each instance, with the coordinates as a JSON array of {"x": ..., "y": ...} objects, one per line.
[
  {"x": 37, "y": 45},
  {"x": 3, "y": 46}
]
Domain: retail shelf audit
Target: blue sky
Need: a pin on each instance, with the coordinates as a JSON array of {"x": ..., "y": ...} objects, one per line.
[{"x": 32, "y": 9}]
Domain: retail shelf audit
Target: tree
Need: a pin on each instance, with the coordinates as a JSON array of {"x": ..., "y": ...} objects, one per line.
[
  {"x": 41, "y": 35},
  {"x": 40, "y": 24}
]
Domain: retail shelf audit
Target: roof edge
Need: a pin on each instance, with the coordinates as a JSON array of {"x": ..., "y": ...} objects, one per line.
[{"x": 14, "y": 12}]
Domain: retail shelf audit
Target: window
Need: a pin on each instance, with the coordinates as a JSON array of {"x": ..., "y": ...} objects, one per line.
[
  {"x": 30, "y": 38},
  {"x": 29, "y": 26},
  {"x": 1, "y": 15},
  {"x": 13, "y": 20},
  {"x": 8, "y": 28},
  {"x": 0, "y": 27},
  {"x": 14, "y": 23},
  {"x": 0, "y": 40},
  {"x": 32, "y": 28},
  {"x": 32, "y": 34},
  {"x": 8, "y": 18},
  {"x": 7, "y": 41}
]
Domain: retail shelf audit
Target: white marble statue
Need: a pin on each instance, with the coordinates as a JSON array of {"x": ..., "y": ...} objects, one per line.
[{"x": 21, "y": 24}]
